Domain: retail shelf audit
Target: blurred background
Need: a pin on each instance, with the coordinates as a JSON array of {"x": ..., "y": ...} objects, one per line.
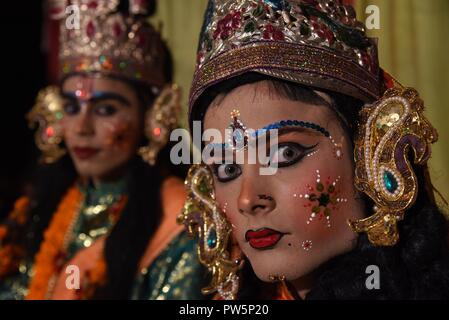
[{"x": 413, "y": 46}]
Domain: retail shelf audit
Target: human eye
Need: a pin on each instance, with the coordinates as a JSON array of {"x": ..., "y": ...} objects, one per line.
[
  {"x": 227, "y": 171},
  {"x": 288, "y": 154}
]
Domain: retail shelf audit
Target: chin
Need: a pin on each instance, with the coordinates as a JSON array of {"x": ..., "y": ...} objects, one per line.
[{"x": 281, "y": 265}]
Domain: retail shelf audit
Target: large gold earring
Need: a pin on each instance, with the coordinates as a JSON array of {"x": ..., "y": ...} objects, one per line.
[
  {"x": 202, "y": 216},
  {"x": 160, "y": 120},
  {"x": 389, "y": 129},
  {"x": 46, "y": 114}
]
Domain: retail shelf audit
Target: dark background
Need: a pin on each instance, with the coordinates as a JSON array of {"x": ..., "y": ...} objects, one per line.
[{"x": 23, "y": 74}]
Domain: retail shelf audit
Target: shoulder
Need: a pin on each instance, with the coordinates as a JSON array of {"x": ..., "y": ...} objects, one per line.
[{"x": 173, "y": 196}]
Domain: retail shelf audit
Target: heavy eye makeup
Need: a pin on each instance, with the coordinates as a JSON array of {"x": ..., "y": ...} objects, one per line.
[
  {"x": 103, "y": 108},
  {"x": 289, "y": 153},
  {"x": 286, "y": 154},
  {"x": 71, "y": 107},
  {"x": 227, "y": 171}
]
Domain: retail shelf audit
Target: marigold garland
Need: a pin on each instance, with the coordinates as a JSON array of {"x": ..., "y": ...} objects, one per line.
[
  {"x": 12, "y": 253},
  {"x": 48, "y": 259}
]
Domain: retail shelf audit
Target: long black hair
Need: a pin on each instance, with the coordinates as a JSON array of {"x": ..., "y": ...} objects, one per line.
[{"x": 417, "y": 267}]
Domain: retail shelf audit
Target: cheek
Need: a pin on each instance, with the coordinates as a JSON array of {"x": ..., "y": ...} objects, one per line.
[
  {"x": 227, "y": 201},
  {"x": 118, "y": 134},
  {"x": 66, "y": 126},
  {"x": 319, "y": 201}
]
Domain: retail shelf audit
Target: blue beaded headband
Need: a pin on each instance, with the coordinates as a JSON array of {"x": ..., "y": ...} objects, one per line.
[
  {"x": 238, "y": 136},
  {"x": 238, "y": 139},
  {"x": 292, "y": 123}
]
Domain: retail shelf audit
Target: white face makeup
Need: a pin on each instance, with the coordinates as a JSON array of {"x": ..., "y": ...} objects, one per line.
[
  {"x": 102, "y": 125},
  {"x": 289, "y": 223}
]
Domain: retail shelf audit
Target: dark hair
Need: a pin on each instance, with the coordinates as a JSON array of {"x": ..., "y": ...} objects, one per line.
[{"x": 417, "y": 267}]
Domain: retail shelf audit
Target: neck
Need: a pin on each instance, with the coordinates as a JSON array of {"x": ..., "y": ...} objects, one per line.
[
  {"x": 109, "y": 178},
  {"x": 101, "y": 186},
  {"x": 304, "y": 284}
]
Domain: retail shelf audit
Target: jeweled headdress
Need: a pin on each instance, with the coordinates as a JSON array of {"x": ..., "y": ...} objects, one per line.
[
  {"x": 96, "y": 37},
  {"x": 100, "y": 36},
  {"x": 312, "y": 42},
  {"x": 319, "y": 43}
]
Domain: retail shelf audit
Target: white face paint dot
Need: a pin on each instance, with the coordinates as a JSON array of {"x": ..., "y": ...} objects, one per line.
[{"x": 307, "y": 245}]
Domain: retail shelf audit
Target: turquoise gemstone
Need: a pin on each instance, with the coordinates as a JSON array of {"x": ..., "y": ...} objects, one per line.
[
  {"x": 212, "y": 239},
  {"x": 390, "y": 182}
]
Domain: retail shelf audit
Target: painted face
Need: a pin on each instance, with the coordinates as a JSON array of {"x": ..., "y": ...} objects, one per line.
[
  {"x": 102, "y": 125},
  {"x": 289, "y": 223}
]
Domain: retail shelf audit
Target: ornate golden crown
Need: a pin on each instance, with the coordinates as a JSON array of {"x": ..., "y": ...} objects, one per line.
[
  {"x": 312, "y": 42},
  {"x": 109, "y": 41}
]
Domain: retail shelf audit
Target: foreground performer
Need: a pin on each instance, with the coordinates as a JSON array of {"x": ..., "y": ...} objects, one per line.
[{"x": 351, "y": 195}]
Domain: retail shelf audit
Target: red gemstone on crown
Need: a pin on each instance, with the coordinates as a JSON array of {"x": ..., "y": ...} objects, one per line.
[
  {"x": 117, "y": 29},
  {"x": 92, "y": 5},
  {"x": 90, "y": 29}
]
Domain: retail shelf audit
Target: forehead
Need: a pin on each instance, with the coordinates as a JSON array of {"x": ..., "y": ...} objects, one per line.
[
  {"x": 259, "y": 105},
  {"x": 95, "y": 82}
]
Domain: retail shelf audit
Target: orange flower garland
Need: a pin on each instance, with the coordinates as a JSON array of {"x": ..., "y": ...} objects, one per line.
[
  {"x": 54, "y": 245},
  {"x": 10, "y": 253}
]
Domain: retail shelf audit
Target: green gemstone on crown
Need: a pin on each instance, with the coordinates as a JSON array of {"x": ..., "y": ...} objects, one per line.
[{"x": 250, "y": 26}]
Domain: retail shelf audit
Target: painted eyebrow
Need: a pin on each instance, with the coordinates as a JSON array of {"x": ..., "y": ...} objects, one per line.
[
  {"x": 99, "y": 96},
  {"x": 290, "y": 125},
  {"x": 284, "y": 127}
]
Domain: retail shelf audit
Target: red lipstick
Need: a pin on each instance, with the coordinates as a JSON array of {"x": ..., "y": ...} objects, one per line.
[
  {"x": 263, "y": 238},
  {"x": 85, "y": 153}
]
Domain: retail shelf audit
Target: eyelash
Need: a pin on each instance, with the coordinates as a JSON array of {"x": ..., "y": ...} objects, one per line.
[
  {"x": 111, "y": 110},
  {"x": 303, "y": 150},
  {"x": 72, "y": 108},
  {"x": 216, "y": 167}
]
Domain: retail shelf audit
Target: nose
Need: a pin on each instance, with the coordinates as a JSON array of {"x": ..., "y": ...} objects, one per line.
[
  {"x": 254, "y": 199},
  {"x": 84, "y": 124}
]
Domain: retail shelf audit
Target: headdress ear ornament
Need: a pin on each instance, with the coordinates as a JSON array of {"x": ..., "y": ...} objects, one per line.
[
  {"x": 202, "y": 216},
  {"x": 160, "y": 120},
  {"x": 389, "y": 129},
  {"x": 46, "y": 115}
]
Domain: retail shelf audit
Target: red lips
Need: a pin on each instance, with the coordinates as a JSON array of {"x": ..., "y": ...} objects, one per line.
[
  {"x": 84, "y": 153},
  {"x": 263, "y": 238}
]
